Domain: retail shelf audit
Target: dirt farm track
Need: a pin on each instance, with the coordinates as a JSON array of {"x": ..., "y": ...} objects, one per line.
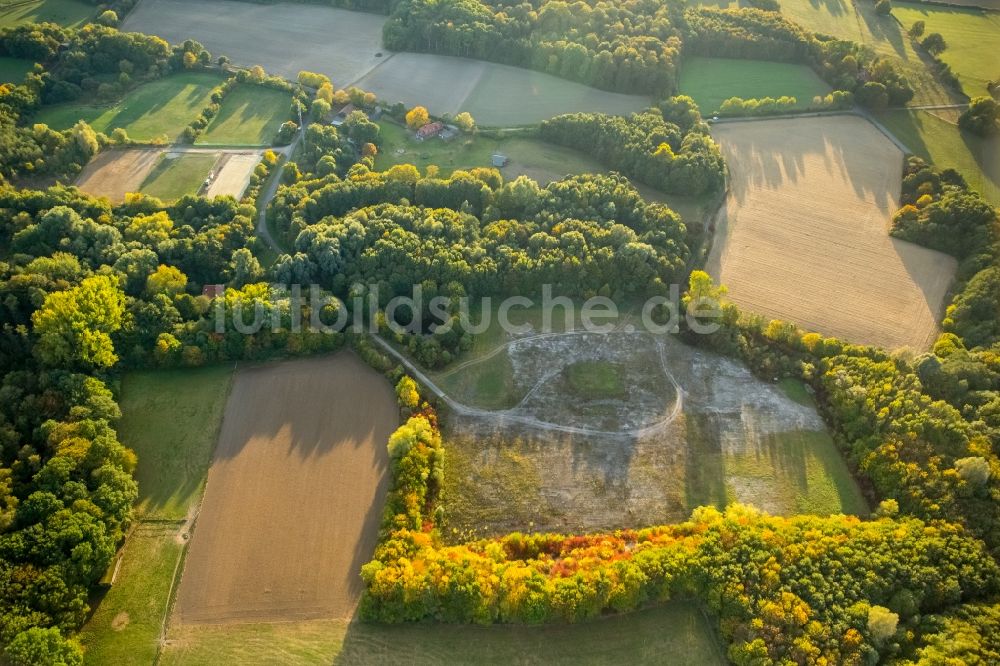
[
  {"x": 803, "y": 235},
  {"x": 294, "y": 495}
]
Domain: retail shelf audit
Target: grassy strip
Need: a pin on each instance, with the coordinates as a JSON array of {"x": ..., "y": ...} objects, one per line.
[
  {"x": 934, "y": 138},
  {"x": 676, "y": 628},
  {"x": 13, "y": 70}
]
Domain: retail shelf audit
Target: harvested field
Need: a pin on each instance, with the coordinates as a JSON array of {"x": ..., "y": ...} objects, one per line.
[
  {"x": 115, "y": 173},
  {"x": 441, "y": 83},
  {"x": 294, "y": 495},
  {"x": 232, "y": 174},
  {"x": 803, "y": 234},
  {"x": 287, "y": 38},
  {"x": 284, "y": 38}
]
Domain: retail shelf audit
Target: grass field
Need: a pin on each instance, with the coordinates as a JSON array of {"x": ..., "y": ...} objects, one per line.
[
  {"x": 595, "y": 380},
  {"x": 178, "y": 174},
  {"x": 157, "y": 110},
  {"x": 13, "y": 70},
  {"x": 643, "y": 637},
  {"x": 250, "y": 116},
  {"x": 125, "y": 627},
  {"x": 857, "y": 21},
  {"x": 505, "y": 96},
  {"x": 69, "y": 13},
  {"x": 170, "y": 418},
  {"x": 831, "y": 267},
  {"x": 972, "y": 36},
  {"x": 934, "y": 136},
  {"x": 710, "y": 81}
]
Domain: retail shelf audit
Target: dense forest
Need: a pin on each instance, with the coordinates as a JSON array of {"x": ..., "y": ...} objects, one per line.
[{"x": 668, "y": 148}]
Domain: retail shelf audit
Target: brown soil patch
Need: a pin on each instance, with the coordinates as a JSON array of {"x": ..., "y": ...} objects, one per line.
[
  {"x": 803, "y": 235},
  {"x": 115, "y": 173},
  {"x": 294, "y": 495}
]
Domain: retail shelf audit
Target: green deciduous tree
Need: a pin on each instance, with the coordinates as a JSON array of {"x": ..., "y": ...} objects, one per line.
[{"x": 74, "y": 327}]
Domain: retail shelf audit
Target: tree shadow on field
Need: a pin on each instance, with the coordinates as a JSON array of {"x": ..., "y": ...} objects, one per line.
[
  {"x": 884, "y": 29},
  {"x": 832, "y": 7},
  {"x": 757, "y": 160},
  {"x": 302, "y": 451}
]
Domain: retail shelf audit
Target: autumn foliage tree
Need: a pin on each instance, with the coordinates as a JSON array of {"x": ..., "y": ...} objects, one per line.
[{"x": 417, "y": 117}]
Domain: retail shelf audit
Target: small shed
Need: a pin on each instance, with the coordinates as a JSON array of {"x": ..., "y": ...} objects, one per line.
[{"x": 499, "y": 160}]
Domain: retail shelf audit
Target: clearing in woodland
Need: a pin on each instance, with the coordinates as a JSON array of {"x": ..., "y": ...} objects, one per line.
[
  {"x": 582, "y": 432},
  {"x": 294, "y": 494},
  {"x": 803, "y": 233},
  {"x": 711, "y": 81},
  {"x": 13, "y": 70}
]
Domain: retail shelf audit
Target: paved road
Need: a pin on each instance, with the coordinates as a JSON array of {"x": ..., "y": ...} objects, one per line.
[{"x": 271, "y": 191}]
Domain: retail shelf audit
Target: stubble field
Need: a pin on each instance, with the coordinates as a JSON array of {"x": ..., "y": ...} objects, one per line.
[
  {"x": 286, "y": 38},
  {"x": 803, "y": 234},
  {"x": 294, "y": 495}
]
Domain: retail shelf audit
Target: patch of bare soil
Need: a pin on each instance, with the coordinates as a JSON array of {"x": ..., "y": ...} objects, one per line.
[
  {"x": 115, "y": 173},
  {"x": 294, "y": 495}
]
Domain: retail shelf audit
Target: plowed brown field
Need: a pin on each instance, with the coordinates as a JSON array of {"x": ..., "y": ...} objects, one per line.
[
  {"x": 294, "y": 495},
  {"x": 803, "y": 234}
]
